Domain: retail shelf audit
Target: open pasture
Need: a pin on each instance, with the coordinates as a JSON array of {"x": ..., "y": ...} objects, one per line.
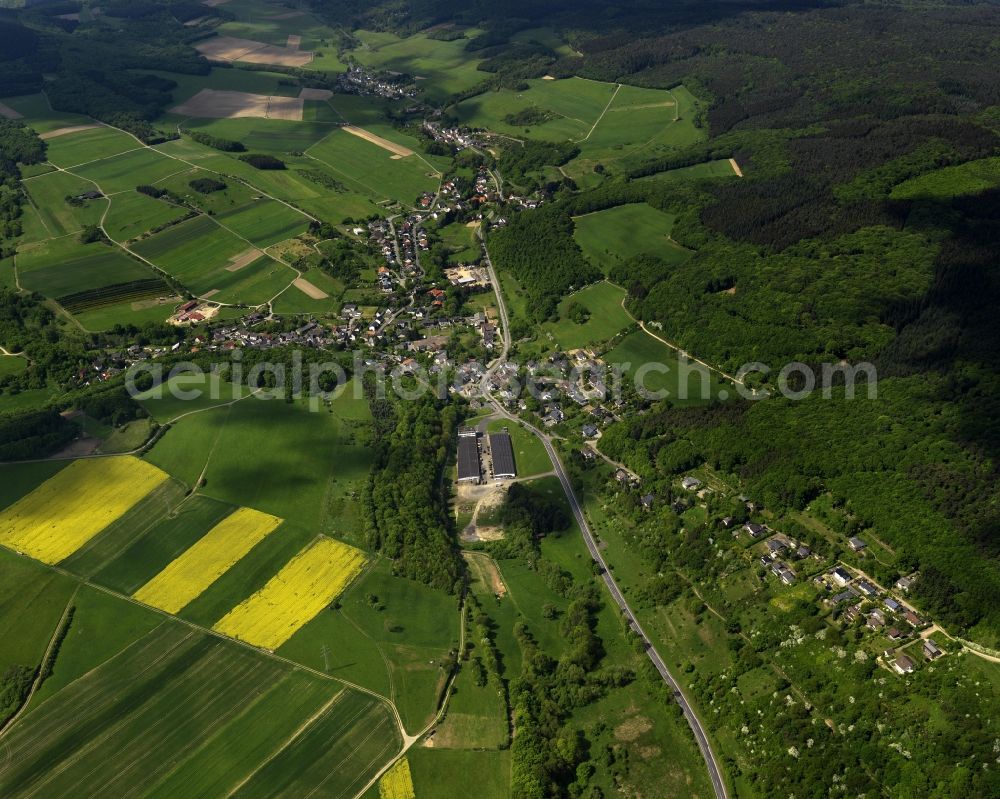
[
  {"x": 446, "y": 773},
  {"x": 607, "y": 317},
  {"x": 616, "y": 234},
  {"x": 89, "y": 145},
  {"x": 207, "y": 560},
  {"x": 73, "y": 506},
  {"x": 369, "y": 168},
  {"x": 721, "y": 168},
  {"x": 47, "y": 194},
  {"x": 299, "y": 591}
]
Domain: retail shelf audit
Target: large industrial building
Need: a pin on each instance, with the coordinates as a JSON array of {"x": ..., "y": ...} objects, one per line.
[
  {"x": 502, "y": 454},
  {"x": 469, "y": 467}
]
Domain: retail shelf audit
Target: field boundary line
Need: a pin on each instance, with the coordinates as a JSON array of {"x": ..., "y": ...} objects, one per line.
[
  {"x": 597, "y": 122},
  {"x": 39, "y": 679},
  {"x": 296, "y": 734}
]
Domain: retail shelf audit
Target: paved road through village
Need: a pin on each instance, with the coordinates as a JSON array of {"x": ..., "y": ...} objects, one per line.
[{"x": 714, "y": 772}]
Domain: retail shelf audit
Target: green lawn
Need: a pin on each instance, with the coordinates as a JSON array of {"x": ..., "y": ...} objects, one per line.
[
  {"x": 12, "y": 365},
  {"x": 607, "y": 318},
  {"x": 616, "y": 234}
]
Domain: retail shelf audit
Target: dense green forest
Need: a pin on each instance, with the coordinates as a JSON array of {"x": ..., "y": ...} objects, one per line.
[{"x": 404, "y": 499}]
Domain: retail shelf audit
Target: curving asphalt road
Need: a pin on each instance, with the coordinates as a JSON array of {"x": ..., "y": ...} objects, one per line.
[{"x": 714, "y": 772}]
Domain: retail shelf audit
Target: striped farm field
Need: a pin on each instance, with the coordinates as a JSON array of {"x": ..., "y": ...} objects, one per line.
[
  {"x": 70, "y": 508},
  {"x": 185, "y": 578},
  {"x": 299, "y": 591},
  {"x": 397, "y": 783}
]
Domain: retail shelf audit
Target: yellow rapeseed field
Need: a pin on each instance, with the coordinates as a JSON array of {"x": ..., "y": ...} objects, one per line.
[
  {"x": 308, "y": 583},
  {"x": 70, "y": 508},
  {"x": 207, "y": 559},
  {"x": 397, "y": 783}
]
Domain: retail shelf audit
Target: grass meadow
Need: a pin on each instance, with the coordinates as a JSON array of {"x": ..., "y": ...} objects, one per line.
[
  {"x": 639, "y": 349},
  {"x": 607, "y": 318},
  {"x": 616, "y": 234},
  {"x": 393, "y": 644}
]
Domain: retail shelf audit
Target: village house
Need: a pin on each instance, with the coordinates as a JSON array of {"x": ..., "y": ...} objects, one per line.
[
  {"x": 856, "y": 544},
  {"x": 903, "y": 665}
]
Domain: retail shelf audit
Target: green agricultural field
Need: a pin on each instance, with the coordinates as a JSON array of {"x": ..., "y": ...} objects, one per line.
[
  {"x": 616, "y": 234},
  {"x": 607, "y": 318},
  {"x": 102, "y": 626},
  {"x": 299, "y": 462},
  {"x": 644, "y": 352},
  {"x": 38, "y": 114},
  {"x": 48, "y": 194},
  {"x": 277, "y": 136},
  {"x": 249, "y": 574},
  {"x": 121, "y": 534},
  {"x": 63, "y": 267},
  {"x": 367, "y": 168},
  {"x": 446, "y": 773},
  {"x": 307, "y": 183},
  {"x": 147, "y": 711},
  {"x": 32, "y": 600},
  {"x": 336, "y": 756},
  {"x": 247, "y": 741},
  {"x": 295, "y": 301},
  {"x": 412, "y": 626},
  {"x": 197, "y": 253},
  {"x": 126, "y": 171},
  {"x": 81, "y": 147},
  {"x": 441, "y": 68},
  {"x": 159, "y": 542},
  {"x": 265, "y": 222},
  {"x": 131, "y": 214},
  {"x": 710, "y": 169}
]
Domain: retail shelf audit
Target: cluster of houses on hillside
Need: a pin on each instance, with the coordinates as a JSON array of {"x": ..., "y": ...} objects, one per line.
[{"x": 368, "y": 83}]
